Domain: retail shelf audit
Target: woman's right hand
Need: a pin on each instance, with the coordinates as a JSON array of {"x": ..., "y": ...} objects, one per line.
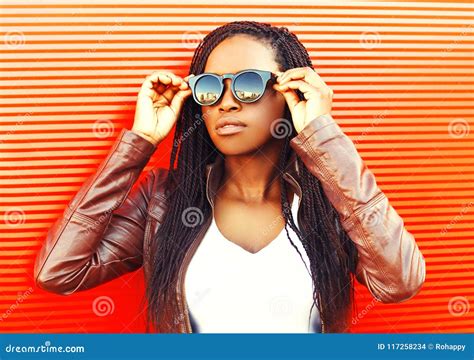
[{"x": 159, "y": 104}]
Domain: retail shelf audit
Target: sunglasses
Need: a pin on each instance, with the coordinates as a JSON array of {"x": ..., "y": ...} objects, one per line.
[{"x": 247, "y": 86}]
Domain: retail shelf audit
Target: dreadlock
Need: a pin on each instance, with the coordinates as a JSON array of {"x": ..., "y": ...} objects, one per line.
[{"x": 332, "y": 255}]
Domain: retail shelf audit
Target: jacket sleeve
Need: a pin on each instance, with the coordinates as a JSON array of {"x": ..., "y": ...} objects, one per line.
[
  {"x": 390, "y": 264},
  {"x": 100, "y": 234}
]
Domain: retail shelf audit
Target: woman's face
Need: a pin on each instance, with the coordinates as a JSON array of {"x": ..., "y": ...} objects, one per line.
[{"x": 232, "y": 55}]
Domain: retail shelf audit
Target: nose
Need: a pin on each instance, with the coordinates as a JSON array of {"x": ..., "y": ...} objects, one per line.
[{"x": 228, "y": 102}]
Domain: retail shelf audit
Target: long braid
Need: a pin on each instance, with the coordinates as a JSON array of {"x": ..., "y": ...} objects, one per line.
[{"x": 332, "y": 255}]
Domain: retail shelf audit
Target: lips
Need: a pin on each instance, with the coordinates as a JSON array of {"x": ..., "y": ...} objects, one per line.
[
  {"x": 229, "y": 126},
  {"x": 228, "y": 121}
]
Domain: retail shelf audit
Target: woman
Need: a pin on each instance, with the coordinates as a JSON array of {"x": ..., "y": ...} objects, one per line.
[{"x": 265, "y": 220}]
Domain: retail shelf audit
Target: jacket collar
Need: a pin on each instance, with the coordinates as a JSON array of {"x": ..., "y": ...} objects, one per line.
[{"x": 215, "y": 173}]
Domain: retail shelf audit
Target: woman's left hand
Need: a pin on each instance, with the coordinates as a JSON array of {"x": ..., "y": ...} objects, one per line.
[{"x": 317, "y": 95}]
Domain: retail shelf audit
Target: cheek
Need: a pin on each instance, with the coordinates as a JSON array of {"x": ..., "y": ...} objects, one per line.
[
  {"x": 270, "y": 111},
  {"x": 209, "y": 117},
  {"x": 261, "y": 117}
]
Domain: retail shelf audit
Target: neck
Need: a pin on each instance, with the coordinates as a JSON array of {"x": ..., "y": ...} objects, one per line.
[{"x": 253, "y": 178}]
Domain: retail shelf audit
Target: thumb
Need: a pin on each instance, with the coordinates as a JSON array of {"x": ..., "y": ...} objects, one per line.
[
  {"x": 189, "y": 76},
  {"x": 178, "y": 100},
  {"x": 291, "y": 98}
]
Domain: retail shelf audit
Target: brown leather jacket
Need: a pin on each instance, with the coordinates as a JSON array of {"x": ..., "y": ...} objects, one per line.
[{"x": 107, "y": 228}]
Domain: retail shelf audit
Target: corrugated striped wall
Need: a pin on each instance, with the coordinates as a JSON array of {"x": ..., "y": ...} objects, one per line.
[{"x": 402, "y": 76}]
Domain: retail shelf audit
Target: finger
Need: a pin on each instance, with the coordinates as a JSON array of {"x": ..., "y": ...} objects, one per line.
[
  {"x": 188, "y": 77},
  {"x": 149, "y": 88},
  {"x": 175, "y": 79},
  {"x": 164, "y": 79},
  {"x": 154, "y": 84},
  {"x": 331, "y": 92},
  {"x": 167, "y": 84},
  {"x": 159, "y": 88},
  {"x": 306, "y": 73},
  {"x": 155, "y": 77},
  {"x": 170, "y": 93},
  {"x": 290, "y": 96},
  {"x": 300, "y": 85},
  {"x": 185, "y": 85},
  {"x": 178, "y": 100},
  {"x": 186, "y": 80},
  {"x": 292, "y": 72},
  {"x": 312, "y": 94},
  {"x": 308, "y": 90}
]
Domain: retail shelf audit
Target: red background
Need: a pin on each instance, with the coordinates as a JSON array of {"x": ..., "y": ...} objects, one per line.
[{"x": 402, "y": 77}]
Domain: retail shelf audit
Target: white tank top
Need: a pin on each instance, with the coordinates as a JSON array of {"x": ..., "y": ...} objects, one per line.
[{"x": 230, "y": 290}]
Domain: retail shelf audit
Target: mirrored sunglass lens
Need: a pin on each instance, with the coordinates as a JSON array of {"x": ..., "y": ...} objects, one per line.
[
  {"x": 248, "y": 86},
  {"x": 207, "y": 90}
]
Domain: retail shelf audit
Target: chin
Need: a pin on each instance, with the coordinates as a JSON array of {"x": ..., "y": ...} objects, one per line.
[
  {"x": 233, "y": 150},
  {"x": 233, "y": 145}
]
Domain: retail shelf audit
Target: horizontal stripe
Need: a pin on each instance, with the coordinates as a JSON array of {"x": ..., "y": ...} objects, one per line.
[{"x": 402, "y": 77}]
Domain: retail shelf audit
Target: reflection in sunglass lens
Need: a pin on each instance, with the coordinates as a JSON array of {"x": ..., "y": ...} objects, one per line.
[
  {"x": 207, "y": 90},
  {"x": 248, "y": 86}
]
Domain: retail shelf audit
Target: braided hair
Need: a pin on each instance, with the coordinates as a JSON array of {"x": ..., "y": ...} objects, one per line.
[{"x": 332, "y": 254}]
